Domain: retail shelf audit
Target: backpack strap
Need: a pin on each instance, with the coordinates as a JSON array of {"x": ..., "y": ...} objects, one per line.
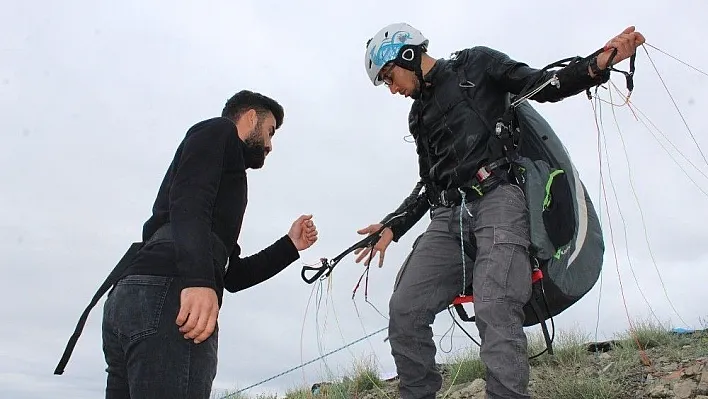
[
  {"x": 504, "y": 131},
  {"x": 459, "y": 62}
]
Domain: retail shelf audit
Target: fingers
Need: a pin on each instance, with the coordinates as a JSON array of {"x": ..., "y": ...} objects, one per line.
[
  {"x": 183, "y": 314},
  {"x": 209, "y": 327},
  {"x": 309, "y": 230},
  {"x": 301, "y": 219},
  {"x": 198, "y": 313},
  {"x": 380, "y": 247},
  {"x": 372, "y": 228},
  {"x": 371, "y": 256},
  {"x": 192, "y": 319},
  {"x": 370, "y": 253},
  {"x": 200, "y": 324},
  {"x": 363, "y": 252},
  {"x": 629, "y": 29},
  {"x": 625, "y": 44},
  {"x": 640, "y": 39}
]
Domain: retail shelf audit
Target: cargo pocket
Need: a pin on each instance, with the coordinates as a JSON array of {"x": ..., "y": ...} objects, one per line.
[
  {"x": 137, "y": 306},
  {"x": 405, "y": 263},
  {"x": 506, "y": 268},
  {"x": 559, "y": 209}
]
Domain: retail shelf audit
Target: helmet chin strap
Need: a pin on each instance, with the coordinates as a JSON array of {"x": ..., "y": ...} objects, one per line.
[{"x": 409, "y": 57}]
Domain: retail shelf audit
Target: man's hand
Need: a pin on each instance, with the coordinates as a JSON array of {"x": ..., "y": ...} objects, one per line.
[
  {"x": 303, "y": 232},
  {"x": 380, "y": 246},
  {"x": 198, "y": 312},
  {"x": 626, "y": 44}
]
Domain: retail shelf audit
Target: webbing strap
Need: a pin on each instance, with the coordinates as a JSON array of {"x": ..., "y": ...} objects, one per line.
[
  {"x": 110, "y": 280},
  {"x": 483, "y": 181},
  {"x": 163, "y": 233}
]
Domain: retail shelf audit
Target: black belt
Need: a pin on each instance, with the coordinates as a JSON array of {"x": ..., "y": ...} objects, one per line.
[
  {"x": 486, "y": 178},
  {"x": 164, "y": 233}
]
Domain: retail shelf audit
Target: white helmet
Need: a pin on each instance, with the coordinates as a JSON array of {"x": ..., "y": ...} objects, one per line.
[{"x": 386, "y": 46}]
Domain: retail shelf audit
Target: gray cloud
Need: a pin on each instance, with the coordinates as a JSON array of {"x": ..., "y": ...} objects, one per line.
[{"x": 96, "y": 98}]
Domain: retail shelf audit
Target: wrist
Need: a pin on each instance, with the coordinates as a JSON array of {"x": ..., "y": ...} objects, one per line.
[
  {"x": 290, "y": 240},
  {"x": 597, "y": 65},
  {"x": 600, "y": 60}
]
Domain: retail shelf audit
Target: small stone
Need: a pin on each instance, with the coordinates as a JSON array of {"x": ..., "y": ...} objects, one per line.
[
  {"x": 703, "y": 384},
  {"x": 650, "y": 378},
  {"x": 670, "y": 367},
  {"x": 684, "y": 389},
  {"x": 660, "y": 391},
  {"x": 470, "y": 390},
  {"x": 692, "y": 370}
]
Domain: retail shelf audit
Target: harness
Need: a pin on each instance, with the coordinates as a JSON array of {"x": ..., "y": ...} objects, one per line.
[
  {"x": 509, "y": 136},
  {"x": 489, "y": 176}
]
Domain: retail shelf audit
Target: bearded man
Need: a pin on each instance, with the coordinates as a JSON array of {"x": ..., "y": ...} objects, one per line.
[{"x": 160, "y": 325}]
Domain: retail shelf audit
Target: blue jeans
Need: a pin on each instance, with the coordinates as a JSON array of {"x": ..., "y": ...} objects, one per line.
[{"x": 147, "y": 356}]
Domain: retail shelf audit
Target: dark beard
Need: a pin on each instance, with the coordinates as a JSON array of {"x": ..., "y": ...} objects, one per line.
[
  {"x": 415, "y": 95},
  {"x": 255, "y": 151}
]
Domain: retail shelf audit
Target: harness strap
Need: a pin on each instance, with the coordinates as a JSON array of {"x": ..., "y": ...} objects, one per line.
[
  {"x": 110, "y": 280},
  {"x": 484, "y": 180},
  {"x": 537, "y": 297},
  {"x": 164, "y": 233}
]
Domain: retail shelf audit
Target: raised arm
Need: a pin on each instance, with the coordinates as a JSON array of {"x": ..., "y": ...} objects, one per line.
[
  {"x": 514, "y": 76},
  {"x": 580, "y": 74}
]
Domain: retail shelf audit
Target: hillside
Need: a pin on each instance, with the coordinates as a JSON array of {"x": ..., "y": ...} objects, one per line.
[{"x": 648, "y": 362}]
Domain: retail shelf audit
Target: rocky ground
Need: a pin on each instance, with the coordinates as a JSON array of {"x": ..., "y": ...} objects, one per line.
[
  {"x": 648, "y": 362},
  {"x": 667, "y": 366}
]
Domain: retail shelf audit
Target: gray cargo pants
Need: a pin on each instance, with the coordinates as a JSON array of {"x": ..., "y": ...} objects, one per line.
[{"x": 431, "y": 277}]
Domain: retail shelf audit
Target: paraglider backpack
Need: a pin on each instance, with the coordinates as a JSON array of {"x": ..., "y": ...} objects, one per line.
[{"x": 566, "y": 237}]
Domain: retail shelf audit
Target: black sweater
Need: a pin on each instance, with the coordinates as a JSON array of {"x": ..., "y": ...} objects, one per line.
[{"x": 205, "y": 191}]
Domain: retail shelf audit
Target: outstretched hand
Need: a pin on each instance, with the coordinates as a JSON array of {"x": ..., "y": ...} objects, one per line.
[
  {"x": 380, "y": 246},
  {"x": 303, "y": 232},
  {"x": 626, "y": 44}
]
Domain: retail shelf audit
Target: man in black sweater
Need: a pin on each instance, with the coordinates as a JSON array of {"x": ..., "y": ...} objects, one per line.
[{"x": 160, "y": 319}]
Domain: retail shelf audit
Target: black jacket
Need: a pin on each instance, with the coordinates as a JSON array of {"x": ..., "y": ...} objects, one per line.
[
  {"x": 452, "y": 139},
  {"x": 204, "y": 193}
]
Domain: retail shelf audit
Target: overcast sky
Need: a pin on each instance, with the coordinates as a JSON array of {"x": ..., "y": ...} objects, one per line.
[{"x": 96, "y": 96}]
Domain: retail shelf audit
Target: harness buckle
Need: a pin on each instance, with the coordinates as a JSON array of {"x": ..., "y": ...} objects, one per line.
[
  {"x": 483, "y": 173},
  {"x": 443, "y": 199}
]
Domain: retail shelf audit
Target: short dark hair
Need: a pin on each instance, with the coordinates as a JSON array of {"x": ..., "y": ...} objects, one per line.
[{"x": 246, "y": 99}]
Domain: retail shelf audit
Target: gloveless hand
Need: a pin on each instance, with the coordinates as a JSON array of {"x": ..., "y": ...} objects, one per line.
[
  {"x": 380, "y": 246},
  {"x": 626, "y": 44},
  {"x": 198, "y": 313},
  {"x": 303, "y": 232}
]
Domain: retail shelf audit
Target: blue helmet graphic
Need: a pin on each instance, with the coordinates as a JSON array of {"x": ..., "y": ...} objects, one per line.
[{"x": 385, "y": 46}]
